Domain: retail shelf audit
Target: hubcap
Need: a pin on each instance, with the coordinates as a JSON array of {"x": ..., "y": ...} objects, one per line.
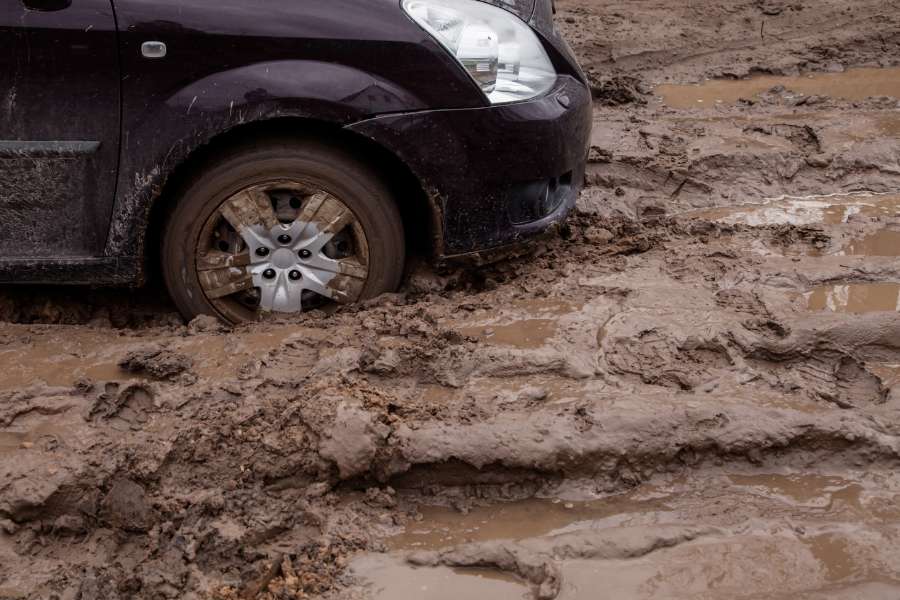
[{"x": 281, "y": 247}]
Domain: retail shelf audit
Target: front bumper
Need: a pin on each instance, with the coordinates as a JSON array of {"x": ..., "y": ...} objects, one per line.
[{"x": 498, "y": 175}]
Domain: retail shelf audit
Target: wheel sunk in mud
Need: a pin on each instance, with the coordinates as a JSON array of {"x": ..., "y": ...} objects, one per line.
[{"x": 279, "y": 229}]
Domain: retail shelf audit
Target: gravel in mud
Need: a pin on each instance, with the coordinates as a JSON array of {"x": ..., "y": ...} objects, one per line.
[{"x": 693, "y": 392}]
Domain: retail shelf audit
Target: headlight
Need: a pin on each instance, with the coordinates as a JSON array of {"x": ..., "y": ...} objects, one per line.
[{"x": 499, "y": 51}]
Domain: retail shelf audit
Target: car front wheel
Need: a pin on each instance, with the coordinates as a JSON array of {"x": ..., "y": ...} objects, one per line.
[{"x": 282, "y": 228}]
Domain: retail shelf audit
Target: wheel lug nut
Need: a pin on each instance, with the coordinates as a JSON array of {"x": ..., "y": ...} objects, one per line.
[
  {"x": 262, "y": 251},
  {"x": 284, "y": 239},
  {"x": 295, "y": 275},
  {"x": 305, "y": 254},
  {"x": 269, "y": 273}
]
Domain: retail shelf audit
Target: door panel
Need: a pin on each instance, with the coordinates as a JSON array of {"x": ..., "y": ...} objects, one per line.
[{"x": 59, "y": 126}]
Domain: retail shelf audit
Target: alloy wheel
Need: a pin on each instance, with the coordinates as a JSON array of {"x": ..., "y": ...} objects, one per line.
[{"x": 281, "y": 247}]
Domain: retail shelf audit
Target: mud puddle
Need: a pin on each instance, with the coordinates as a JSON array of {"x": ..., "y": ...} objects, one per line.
[
  {"x": 45, "y": 435},
  {"x": 809, "y": 210},
  {"x": 830, "y": 210},
  {"x": 885, "y": 242},
  {"x": 61, "y": 360},
  {"x": 855, "y": 298},
  {"x": 817, "y": 535},
  {"x": 523, "y": 324},
  {"x": 528, "y": 333},
  {"x": 389, "y": 578},
  {"x": 441, "y": 527},
  {"x": 853, "y": 85}
]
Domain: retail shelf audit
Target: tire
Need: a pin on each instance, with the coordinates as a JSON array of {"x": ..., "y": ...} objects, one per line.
[{"x": 318, "y": 170}]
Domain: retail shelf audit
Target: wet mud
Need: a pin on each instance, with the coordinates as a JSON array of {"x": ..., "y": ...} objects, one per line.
[
  {"x": 692, "y": 392},
  {"x": 718, "y": 535},
  {"x": 853, "y": 84}
]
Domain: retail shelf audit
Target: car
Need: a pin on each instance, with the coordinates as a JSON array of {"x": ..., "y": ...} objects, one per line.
[{"x": 272, "y": 156}]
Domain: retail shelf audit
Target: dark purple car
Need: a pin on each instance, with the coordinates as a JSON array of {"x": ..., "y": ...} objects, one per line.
[{"x": 278, "y": 154}]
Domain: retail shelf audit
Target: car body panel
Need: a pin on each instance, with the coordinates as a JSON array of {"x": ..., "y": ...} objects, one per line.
[{"x": 59, "y": 129}]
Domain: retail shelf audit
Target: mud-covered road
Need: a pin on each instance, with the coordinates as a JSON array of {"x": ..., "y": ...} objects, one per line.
[{"x": 692, "y": 392}]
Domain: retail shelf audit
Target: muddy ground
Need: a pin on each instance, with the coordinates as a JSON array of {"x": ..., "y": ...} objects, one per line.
[{"x": 692, "y": 392}]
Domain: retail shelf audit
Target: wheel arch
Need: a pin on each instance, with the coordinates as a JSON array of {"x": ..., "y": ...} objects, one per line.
[{"x": 421, "y": 215}]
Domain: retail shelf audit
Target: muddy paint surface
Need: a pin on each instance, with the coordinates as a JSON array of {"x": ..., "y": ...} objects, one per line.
[{"x": 692, "y": 392}]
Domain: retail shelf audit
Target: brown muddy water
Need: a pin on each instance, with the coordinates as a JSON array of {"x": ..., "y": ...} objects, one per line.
[
  {"x": 882, "y": 211},
  {"x": 528, "y": 333},
  {"x": 855, "y": 298},
  {"x": 522, "y": 324},
  {"x": 809, "y": 210},
  {"x": 853, "y": 84},
  {"x": 777, "y": 534},
  {"x": 885, "y": 242},
  {"x": 62, "y": 359}
]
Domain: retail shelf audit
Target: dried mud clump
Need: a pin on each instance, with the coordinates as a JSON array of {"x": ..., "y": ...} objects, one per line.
[
  {"x": 156, "y": 362},
  {"x": 618, "y": 91}
]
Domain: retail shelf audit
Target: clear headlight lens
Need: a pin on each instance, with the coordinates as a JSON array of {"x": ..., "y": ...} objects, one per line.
[{"x": 500, "y": 52}]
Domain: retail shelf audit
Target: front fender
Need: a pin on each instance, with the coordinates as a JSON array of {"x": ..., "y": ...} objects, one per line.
[{"x": 170, "y": 129}]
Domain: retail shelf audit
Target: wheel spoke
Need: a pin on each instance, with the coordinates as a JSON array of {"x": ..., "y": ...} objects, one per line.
[
  {"x": 311, "y": 207},
  {"x": 315, "y": 285},
  {"x": 340, "y": 280},
  {"x": 327, "y": 214},
  {"x": 345, "y": 266},
  {"x": 222, "y": 274},
  {"x": 338, "y": 217},
  {"x": 216, "y": 259},
  {"x": 248, "y": 209}
]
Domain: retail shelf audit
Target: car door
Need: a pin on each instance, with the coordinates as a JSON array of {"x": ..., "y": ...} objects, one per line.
[{"x": 59, "y": 127}]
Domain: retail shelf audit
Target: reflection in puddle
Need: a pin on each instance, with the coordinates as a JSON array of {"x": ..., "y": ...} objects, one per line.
[
  {"x": 853, "y": 84},
  {"x": 855, "y": 298},
  {"x": 811, "y": 210}
]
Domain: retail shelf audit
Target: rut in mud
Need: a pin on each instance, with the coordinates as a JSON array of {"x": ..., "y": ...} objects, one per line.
[{"x": 694, "y": 391}]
